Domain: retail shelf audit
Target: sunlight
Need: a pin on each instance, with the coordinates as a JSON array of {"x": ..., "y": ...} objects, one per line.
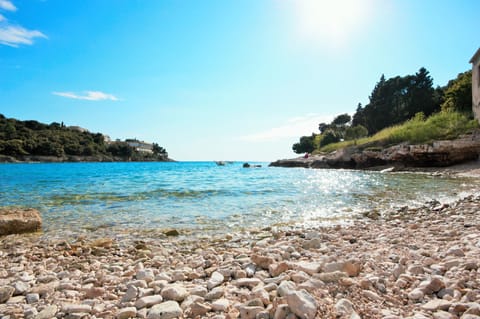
[{"x": 330, "y": 23}]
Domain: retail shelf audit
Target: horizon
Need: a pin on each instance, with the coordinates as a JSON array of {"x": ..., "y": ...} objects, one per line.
[{"x": 214, "y": 80}]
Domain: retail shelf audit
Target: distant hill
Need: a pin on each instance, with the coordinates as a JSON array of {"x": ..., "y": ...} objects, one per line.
[{"x": 34, "y": 141}]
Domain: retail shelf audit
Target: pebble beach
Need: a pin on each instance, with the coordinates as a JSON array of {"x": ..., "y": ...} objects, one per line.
[{"x": 409, "y": 263}]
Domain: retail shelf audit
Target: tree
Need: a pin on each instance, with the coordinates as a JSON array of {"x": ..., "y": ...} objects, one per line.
[
  {"x": 306, "y": 145},
  {"x": 330, "y": 137},
  {"x": 355, "y": 132},
  {"x": 458, "y": 94},
  {"x": 341, "y": 120}
]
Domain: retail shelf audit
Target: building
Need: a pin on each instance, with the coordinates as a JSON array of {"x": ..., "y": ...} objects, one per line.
[
  {"x": 140, "y": 146},
  {"x": 475, "y": 61}
]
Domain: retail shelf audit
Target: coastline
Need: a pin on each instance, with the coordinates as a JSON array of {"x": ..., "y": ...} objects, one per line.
[{"x": 412, "y": 263}]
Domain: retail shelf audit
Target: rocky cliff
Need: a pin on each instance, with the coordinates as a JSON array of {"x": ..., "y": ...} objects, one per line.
[{"x": 435, "y": 154}]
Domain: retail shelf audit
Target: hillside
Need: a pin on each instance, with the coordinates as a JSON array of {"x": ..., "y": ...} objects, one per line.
[{"x": 34, "y": 141}]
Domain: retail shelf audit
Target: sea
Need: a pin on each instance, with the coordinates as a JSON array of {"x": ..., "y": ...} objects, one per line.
[{"x": 202, "y": 197}]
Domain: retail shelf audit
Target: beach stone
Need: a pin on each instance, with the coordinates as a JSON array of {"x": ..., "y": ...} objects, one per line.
[
  {"x": 145, "y": 274},
  {"x": 262, "y": 261},
  {"x": 216, "y": 279},
  {"x": 166, "y": 310},
  {"x": 30, "y": 313},
  {"x": 174, "y": 292},
  {"x": 17, "y": 221},
  {"x": 310, "y": 268},
  {"x": 32, "y": 298},
  {"x": 216, "y": 293},
  {"x": 199, "y": 291},
  {"x": 249, "y": 312},
  {"x": 277, "y": 268},
  {"x": 282, "y": 312},
  {"x": 329, "y": 277},
  {"x": 443, "y": 315},
  {"x": 248, "y": 282},
  {"x": 436, "y": 304},
  {"x": 221, "y": 305},
  {"x": 125, "y": 313},
  {"x": 148, "y": 301},
  {"x": 20, "y": 288},
  {"x": 199, "y": 309},
  {"x": 302, "y": 304},
  {"x": 286, "y": 287},
  {"x": 171, "y": 233},
  {"x": 130, "y": 294},
  {"x": 416, "y": 294},
  {"x": 76, "y": 308},
  {"x": 344, "y": 308},
  {"x": 433, "y": 285},
  {"x": 6, "y": 292},
  {"x": 48, "y": 312},
  {"x": 348, "y": 267}
]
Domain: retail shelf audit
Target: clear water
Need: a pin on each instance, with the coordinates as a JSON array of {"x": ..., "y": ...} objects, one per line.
[{"x": 201, "y": 196}]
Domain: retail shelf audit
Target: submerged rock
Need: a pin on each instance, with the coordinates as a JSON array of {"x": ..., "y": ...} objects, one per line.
[{"x": 17, "y": 221}]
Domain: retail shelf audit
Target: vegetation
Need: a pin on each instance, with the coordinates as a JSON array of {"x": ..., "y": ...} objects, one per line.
[
  {"x": 32, "y": 138},
  {"x": 400, "y": 109}
]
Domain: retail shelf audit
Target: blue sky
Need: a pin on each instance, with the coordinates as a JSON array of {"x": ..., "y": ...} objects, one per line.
[{"x": 217, "y": 79}]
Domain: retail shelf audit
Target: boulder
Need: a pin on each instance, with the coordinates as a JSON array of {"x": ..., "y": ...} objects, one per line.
[{"x": 19, "y": 220}]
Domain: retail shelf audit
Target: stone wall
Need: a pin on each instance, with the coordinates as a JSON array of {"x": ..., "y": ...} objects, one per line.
[{"x": 476, "y": 84}]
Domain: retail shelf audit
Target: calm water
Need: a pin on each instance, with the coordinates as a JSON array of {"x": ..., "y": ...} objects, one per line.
[{"x": 205, "y": 197}]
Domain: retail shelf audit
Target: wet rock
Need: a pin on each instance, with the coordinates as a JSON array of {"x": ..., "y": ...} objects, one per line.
[{"x": 17, "y": 221}]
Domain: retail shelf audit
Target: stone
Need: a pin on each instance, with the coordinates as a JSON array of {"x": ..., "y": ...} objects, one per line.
[
  {"x": 432, "y": 285},
  {"x": 248, "y": 282},
  {"x": 166, "y": 310},
  {"x": 47, "y": 313},
  {"x": 199, "y": 309},
  {"x": 344, "y": 308},
  {"x": 348, "y": 267},
  {"x": 216, "y": 279},
  {"x": 20, "y": 288},
  {"x": 216, "y": 293},
  {"x": 174, "y": 292},
  {"x": 148, "y": 301},
  {"x": 145, "y": 274},
  {"x": 282, "y": 312},
  {"x": 32, "y": 298},
  {"x": 302, "y": 304},
  {"x": 17, "y": 221},
  {"x": 250, "y": 312},
  {"x": 416, "y": 294},
  {"x": 443, "y": 315},
  {"x": 76, "y": 308},
  {"x": 285, "y": 288},
  {"x": 6, "y": 292},
  {"x": 221, "y": 305},
  {"x": 310, "y": 268},
  {"x": 437, "y": 304},
  {"x": 262, "y": 261},
  {"x": 329, "y": 277},
  {"x": 130, "y": 294},
  {"x": 278, "y": 268},
  {"x": 171, "y": 233},
  {"x": 125, "y": 313}
]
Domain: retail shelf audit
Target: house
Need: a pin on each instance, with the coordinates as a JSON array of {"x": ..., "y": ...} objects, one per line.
[
  {"x": 475, "y": 61},
  {"x": 140, "y": 146}
]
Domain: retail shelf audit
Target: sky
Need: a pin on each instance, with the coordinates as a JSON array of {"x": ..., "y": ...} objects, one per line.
[{"x": 219, "y": 79}]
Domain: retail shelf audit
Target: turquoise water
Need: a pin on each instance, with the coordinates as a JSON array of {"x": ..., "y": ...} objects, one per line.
[{"x": 201, "y": 196}]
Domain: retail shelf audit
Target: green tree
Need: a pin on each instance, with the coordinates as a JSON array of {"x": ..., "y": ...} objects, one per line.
[
  {"x": 458, "y": 94},
  {"x": 356, "y": 132},
  {"x": 329, "y": 137},
  {"x": 306, "y": 145},
  {"x": 341, "y": 120}
]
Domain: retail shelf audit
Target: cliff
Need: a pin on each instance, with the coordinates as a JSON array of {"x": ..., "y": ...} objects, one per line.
[{"x": 436, "y": 154}]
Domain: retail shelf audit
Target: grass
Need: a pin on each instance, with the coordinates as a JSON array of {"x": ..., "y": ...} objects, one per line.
[{"x": 418, "y": 130}]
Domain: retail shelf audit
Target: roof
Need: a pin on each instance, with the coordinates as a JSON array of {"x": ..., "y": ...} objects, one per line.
[{"x": 475, "y": 57}]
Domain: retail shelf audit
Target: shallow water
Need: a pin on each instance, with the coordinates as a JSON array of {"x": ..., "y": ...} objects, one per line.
[{"x": 202, "y": 196}]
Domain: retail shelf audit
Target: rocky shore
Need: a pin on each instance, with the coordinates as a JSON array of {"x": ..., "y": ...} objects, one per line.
[{"x": 409, "y": 263}]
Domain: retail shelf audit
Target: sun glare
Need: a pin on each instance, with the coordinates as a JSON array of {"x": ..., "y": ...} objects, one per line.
[{"x": 330, "y": 23}]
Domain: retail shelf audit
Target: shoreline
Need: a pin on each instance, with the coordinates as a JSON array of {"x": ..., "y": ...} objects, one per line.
[{"x": 412, "y": 263}]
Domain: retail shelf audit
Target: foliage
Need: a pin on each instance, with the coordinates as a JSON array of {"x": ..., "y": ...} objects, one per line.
[
  {"x": 22, "y": 138},
  {"x": 341, "y": 120},
  {"x": 458, "y": 94},
  {"x": 442, "y": 125},
  {"x": 306, "y": 145},
  {"x": 330, "y": 137},
  {"x": 355, "y": 132}
]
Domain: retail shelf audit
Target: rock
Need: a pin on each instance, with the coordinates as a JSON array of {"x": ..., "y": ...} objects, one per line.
[
  {"x": 171, "y": 233},
  {"x": 433, "y": 285},
  {"x": 145, "y": 274},
  {"x": 328, "y": 277},
  {"x": 282, "y": 312},
  {"x": 76, "y": 308},
  {"x": 443, "y": 315},
  {"x": 47, "y": 313},
  {"x": 248, "y": 282},
  {"x": 6, "y": 292},
  {"x": 416, "y": 294},
  {"x": 174, "y": 292},
  {"x": 278, "y": 268},
  {"x": 310, "y": 268},
  {"x": 166, "y": 310},
  {"x": 262, "y": 261},
  {"x": 285, "y": 288},
  {"x": 344, "y": 308},
  {"x": 125, "y": 313},
  {"x": 437, "y": 304},
  {"x": 215, "y": 280},
  {"x": 248, "y": 312},
  {"x": 20, "y": 288},
  {"x": 130, "y": 294},
  {"x": 216, "y": 293},
  {"x": 302, "y": 304},
  {"x": 199, "y": 309},
  {"x": 148, "y": 301},
  {"x": 17, "y": 221},
  {"x": 32, "y": 298},
  {"x": 350, "y": 268},
  {"x": 221, "y": 305},
  {"x": 371, "y": 295}
]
